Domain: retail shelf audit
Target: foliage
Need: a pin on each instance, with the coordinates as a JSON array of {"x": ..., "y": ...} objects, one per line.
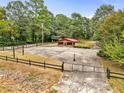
[
  {"x": 80, "y": 27},
  {"x": 5, "y": 27},
  {"x": 2, "y": 13},
  {"x": 61, "y": 26},
  {"x": 111, "y": 33},
  {"x": 22, "y": 22},
  {"x": 101, "y": 13},
  {"x": 31, "y": 22}
]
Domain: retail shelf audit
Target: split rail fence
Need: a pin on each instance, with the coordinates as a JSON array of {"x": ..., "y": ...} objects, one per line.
[
  {"x": 23, "y": 46},
  {"x": 34, "y": 63},
  {"x": 111, "y": 74}
]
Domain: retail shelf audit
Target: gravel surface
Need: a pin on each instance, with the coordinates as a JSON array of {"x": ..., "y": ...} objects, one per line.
[{"x": 77, "y": 81}]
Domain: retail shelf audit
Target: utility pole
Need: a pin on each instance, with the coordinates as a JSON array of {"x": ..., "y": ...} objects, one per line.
[{"x": 42, "y": 25}]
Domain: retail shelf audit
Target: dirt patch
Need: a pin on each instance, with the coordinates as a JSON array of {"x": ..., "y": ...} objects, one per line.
[{"x": 19, "y": 78}]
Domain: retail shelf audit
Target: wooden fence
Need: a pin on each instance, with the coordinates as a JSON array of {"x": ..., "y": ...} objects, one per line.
[
  {"x": 34, "y": 63},
  {"x": 23, "y": 46},
  {"x": 17, "y": 47},
  {"x": 114, "y": 74}
]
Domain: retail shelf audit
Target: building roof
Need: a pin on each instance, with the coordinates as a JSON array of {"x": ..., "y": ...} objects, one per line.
[{"x": 69, "y": 40}]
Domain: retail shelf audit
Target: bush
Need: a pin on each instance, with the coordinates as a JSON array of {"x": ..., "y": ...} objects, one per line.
[
  {"x": 101, "y": 53},
  {"x": 113, "y": 50},
  {"x": 111, "y": 32}
]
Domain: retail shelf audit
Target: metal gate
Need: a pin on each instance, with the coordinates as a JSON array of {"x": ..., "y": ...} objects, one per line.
[{"x": 83, "y": 68}]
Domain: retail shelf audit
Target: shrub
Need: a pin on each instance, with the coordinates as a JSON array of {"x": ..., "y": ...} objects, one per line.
[{"x": 111, "y": 32}]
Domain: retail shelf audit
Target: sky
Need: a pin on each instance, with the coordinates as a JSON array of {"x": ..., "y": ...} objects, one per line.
[{"x": 86, "y": 8}]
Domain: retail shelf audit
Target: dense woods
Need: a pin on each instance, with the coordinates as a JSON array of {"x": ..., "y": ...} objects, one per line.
[
  {"x": 112, "y": 37},
  {"x": 23, "y": 22}
]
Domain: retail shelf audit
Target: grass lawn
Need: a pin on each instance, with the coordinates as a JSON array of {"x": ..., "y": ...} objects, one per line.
[
  {"x": 85, "y": 44},
  {"x": 27, "y": 79},
  {"x": 117, "y": 84}
]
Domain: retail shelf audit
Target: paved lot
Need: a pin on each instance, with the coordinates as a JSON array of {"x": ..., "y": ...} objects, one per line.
[{"x": 77, "y": 82}]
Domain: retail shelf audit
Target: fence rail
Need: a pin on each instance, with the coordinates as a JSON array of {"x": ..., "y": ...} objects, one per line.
[
  {"x": 83, "y": 68},
  {"x": 34, "y": 63},
  {"x": 114, "y": 74},
  {"x": 23, "y": 46}
]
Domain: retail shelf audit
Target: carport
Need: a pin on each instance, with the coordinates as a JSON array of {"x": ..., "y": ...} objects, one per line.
[{"x": 67, "y": 42}]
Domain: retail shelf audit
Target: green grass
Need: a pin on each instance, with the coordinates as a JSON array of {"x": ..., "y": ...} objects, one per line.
[{"x": 87, "y": 44}]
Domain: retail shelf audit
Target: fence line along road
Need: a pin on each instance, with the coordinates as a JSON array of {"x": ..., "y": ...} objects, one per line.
[
  {"x": 83, "y": 68},
  {"x": 34, "y": 63},
  {"x": 25, "y": 46},
  {"x": 62, "y": 67}
]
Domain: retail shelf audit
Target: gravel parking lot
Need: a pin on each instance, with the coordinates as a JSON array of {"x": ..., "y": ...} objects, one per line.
[{"x": 76, "y": 81}]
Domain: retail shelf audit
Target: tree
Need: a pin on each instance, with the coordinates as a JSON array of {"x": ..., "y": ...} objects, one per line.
[
  {"x": 5, "y": 27},
  {"x": 111, "y": 36},
  {"x": 16, "y": 11},
  {"x": 38, "y": 14},
  {"x": 81, "y": 26},
  {"x": 2, "y": 13},
  {"x": 101, "y": 13},
  {"x": 62, "y": 24},
  {"x": 46, "y": 18},
  {"x": 76, "y": 16},
  {"x": 86, "y": 28}
]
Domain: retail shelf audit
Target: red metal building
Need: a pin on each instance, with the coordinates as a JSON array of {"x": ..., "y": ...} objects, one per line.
[{"x": 67, "y": 42}]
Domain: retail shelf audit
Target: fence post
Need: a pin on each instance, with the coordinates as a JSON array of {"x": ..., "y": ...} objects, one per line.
[
  {"x": 44, "y": 65},
  {"x": 108, "y": 73},
  {"x": 72, "y": 67},
  {"x": 3, "y": 48},
  {"x": 6, "y": 58},
  {"x": 29, "y": 62},
  {"x": 74, "y": 59},
  {"x": 17, "y": 60},
  {"x": 94, "y": 68},
  {"x": 13, "y": 52},
  {"x": 62, "y": 66}
]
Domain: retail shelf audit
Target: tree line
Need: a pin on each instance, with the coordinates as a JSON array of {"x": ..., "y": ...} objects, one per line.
[{"x": 23, "y": 22}]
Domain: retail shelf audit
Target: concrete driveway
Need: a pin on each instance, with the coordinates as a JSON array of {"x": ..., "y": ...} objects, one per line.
[{"x": 77, "y": 81}]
